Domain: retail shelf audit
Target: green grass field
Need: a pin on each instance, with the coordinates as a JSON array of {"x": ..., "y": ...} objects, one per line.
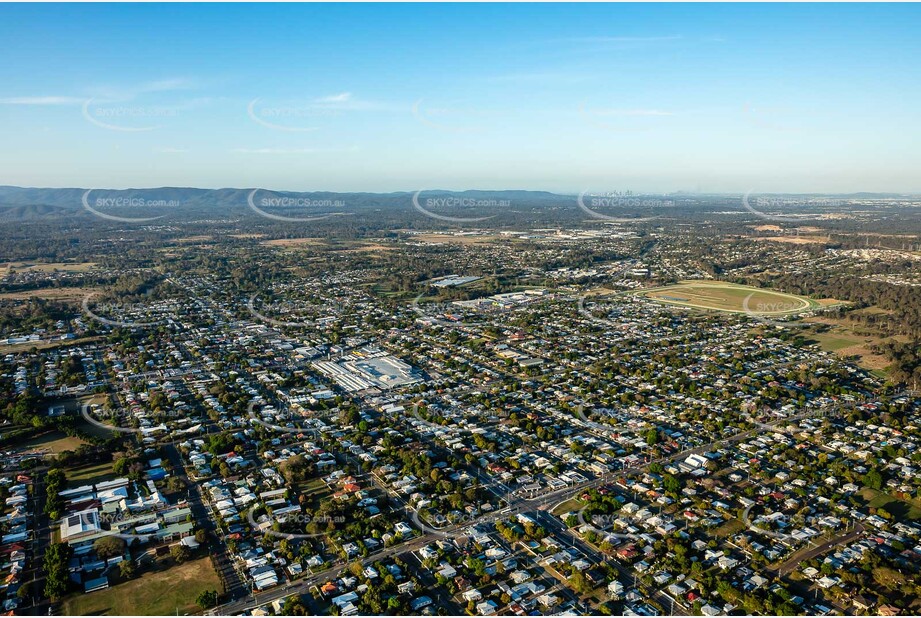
[
  {"x": 169, "y": 592},
  {"x": 56, "y": 441},
  {"x": 314, "y": 490},
  {"x": 730, "y": 297},
  {"x": 729, "y": 528},
  {"x": 573, "y": 504},
  {"x": 832, "y": 342},
  {"x": 903, "y": 510},
  {"x": 91, "y": 474}
]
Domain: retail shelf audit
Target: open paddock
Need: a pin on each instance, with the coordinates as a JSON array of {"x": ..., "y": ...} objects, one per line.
[{"x": 46, "y": 267}]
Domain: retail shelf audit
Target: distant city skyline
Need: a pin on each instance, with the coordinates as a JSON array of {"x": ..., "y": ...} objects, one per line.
[{"x": 381, "y": 98}]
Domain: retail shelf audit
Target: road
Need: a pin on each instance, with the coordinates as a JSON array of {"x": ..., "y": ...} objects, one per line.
[
  {"x": 234, "y": 586},
  {"x": 794, "y": 561},
  {"x": 519, "y": 505},
  {"x": 771, "y": 533},
  {"x": 41, "y": 539},
  {"x": 553, "y": 524}
]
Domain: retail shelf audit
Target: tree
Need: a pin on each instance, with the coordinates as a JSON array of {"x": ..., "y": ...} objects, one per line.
[
  {"x": 579, "y": 582},
  {"x": 120, "y": 466},
  {"x": 174, "y": 484},
  {"x": 295, "y": 468},
  {"x": 109, "y": 547},
  {"x": 55, "y": 481},
  {"x": 671, "y": 483},
  {"x": 57, "y": 557},
  {"x": 207, "y": 599},
  {"x": 126, "y": 569},
  {"x": 180, "y": 553},
  {"x": 220, "y": 443},
  {"x": 873, "y": 479},
  {"x": 294, "y": 606}
]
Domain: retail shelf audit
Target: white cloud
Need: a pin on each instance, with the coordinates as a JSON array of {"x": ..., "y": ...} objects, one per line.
[
  {"x": 128, "y": 93},
  {"x": 346, "y": 102},
  {"x": 342, "y": 97}
]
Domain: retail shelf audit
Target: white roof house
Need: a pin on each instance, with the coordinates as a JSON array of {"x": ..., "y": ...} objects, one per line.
[{"x": 80, "y": 524}]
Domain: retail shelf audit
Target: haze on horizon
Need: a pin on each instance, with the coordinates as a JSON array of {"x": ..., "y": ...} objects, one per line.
[{"x": 657, "y": 98}]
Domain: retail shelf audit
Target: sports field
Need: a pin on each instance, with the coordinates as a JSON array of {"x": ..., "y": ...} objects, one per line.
[
  {"x": 730, "y": 297},
  {"x": 165, "y": 592}
]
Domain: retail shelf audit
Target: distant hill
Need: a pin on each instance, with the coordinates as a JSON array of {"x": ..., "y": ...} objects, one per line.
[
  {"x": 24, "y": 203},
  {"x": 30, "y": 203}
]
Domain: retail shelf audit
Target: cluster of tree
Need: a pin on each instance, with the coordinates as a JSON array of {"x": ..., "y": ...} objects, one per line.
[
  {"x": 294, "y": 606},
  {"x": 57, "y": 558},
  {"x": 138, "y": 286},
  {"x": 109, "y": 547},
  {"x": 21, "y": 316},
  {"x": 381, "y": 596},
  {"x": 129, "y": 465},
  {"x": 83, "y": 454},
  {"x": 517, "y": 531},
  {"x": 220, "y": 443},
  {"x": 775, "y": 601},
  {"x": 901, "y": 313},
  {"x": 533, "y": 427},
  {"x": 55, "y": 481},
  {"x": 580, "y": 583},
  {"x": 27, "y": 410},
  {"x": 180, "y": 553},
  {"x": 208, "y": 599},
  {"x": 297, "y": 468}
]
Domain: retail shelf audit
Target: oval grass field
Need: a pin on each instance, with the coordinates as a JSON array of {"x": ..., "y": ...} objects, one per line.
[{"x": 730, "y": 297}]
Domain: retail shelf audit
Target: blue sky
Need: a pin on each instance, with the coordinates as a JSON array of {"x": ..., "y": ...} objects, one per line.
[{"x": 724, "y": 98}]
